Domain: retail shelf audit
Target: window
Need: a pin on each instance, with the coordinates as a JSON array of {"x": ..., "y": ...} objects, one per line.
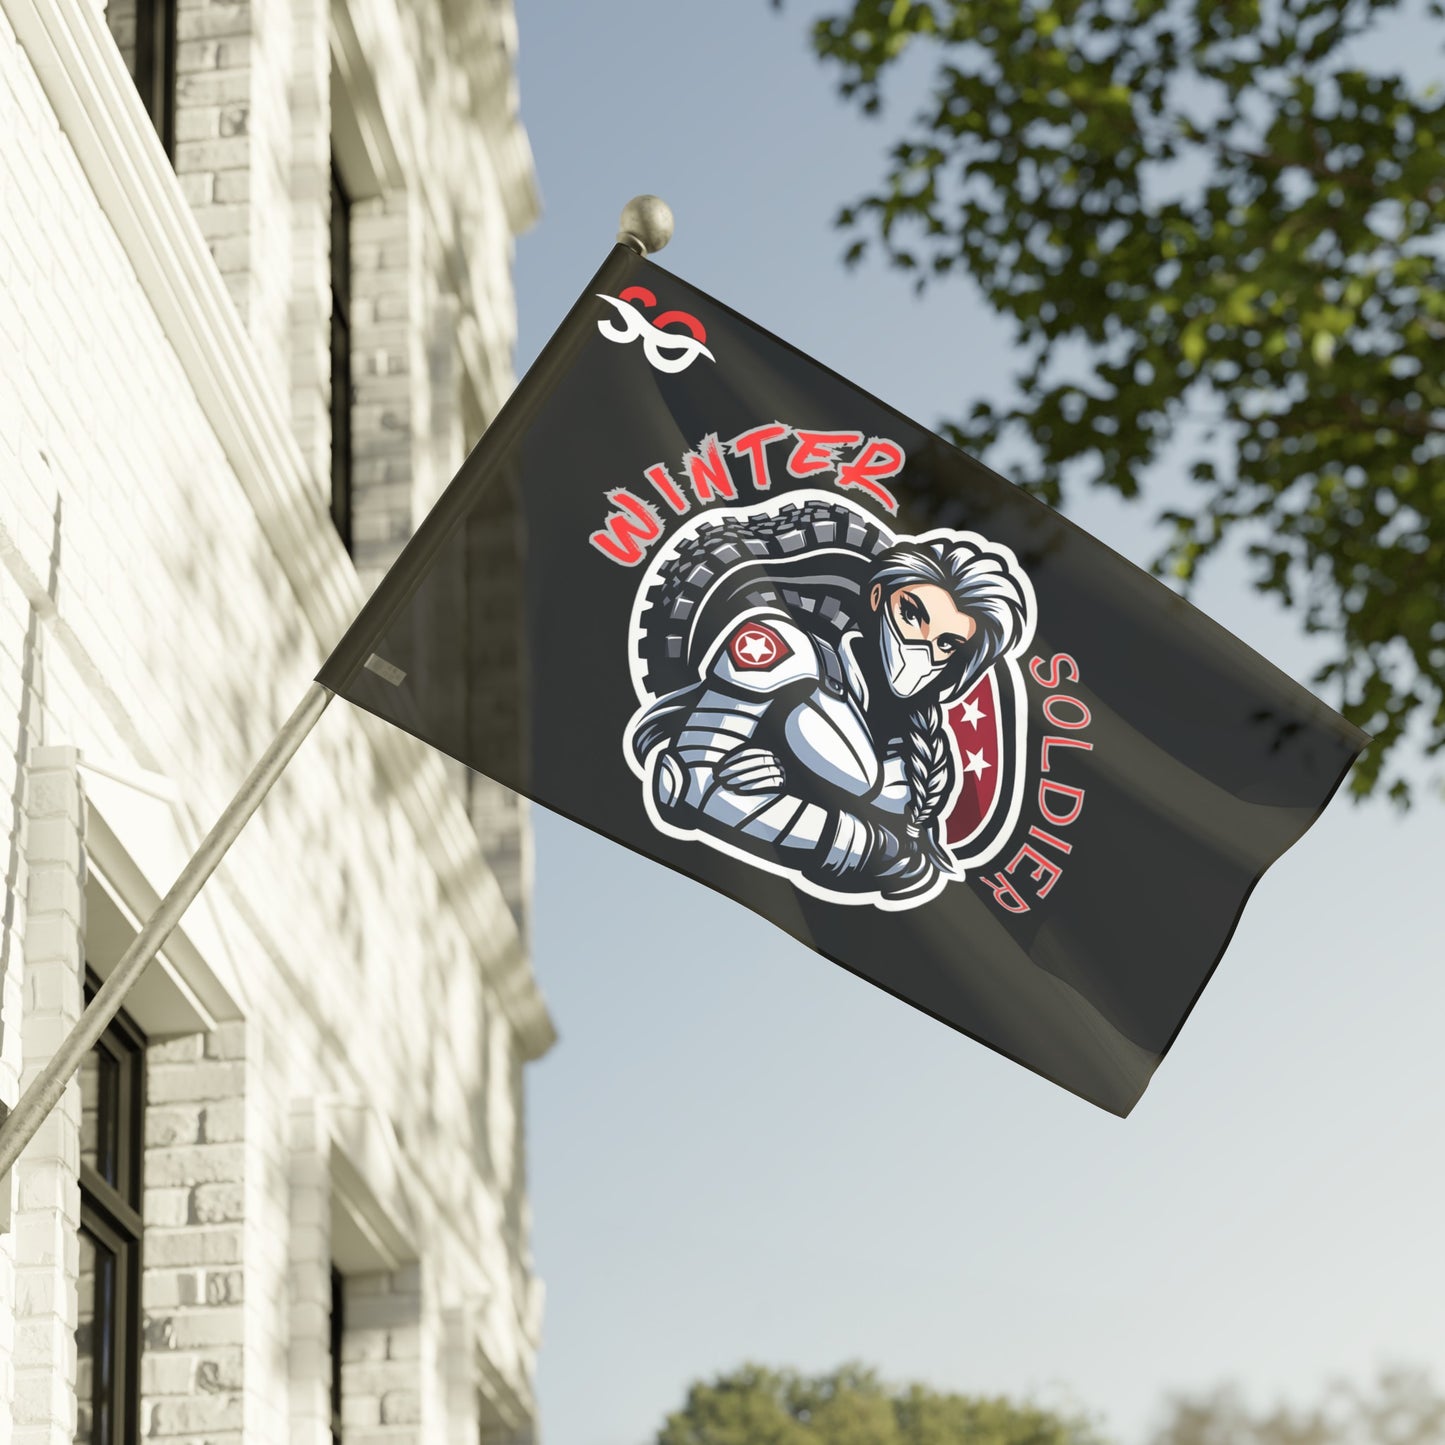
[
  {"x": 340, "y": 356},
  {"x": 107, "y": 1333},
  {"x": 338, "y": 1325},
  {"x": 145, "y": 31}
]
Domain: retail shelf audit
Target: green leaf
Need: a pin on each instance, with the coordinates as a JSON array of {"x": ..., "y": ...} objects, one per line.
[{"x": 1195, "y": 267}]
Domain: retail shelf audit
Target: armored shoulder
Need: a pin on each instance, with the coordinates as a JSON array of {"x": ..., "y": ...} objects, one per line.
[{"x": 766, "y": 653}]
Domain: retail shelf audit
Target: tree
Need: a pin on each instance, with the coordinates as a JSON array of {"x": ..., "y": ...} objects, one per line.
[
  {"x": 1402, "y": 1408},
  {"x": 850, "y": 1406},
  {"x": 757, "y": 1406},
  {"x": 1238, "y": 230}
]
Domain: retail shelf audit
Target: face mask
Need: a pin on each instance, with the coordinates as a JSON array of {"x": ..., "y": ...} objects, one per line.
[{"x": 909, "y": 666}]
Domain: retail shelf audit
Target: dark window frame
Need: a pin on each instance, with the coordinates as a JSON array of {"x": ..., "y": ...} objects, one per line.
[
  {"x": 338, "y": 1329},
  {"x": 110, "y": 1212},
  {"x": 341, "y": 388},
  {"x": 154, "y": 66}
]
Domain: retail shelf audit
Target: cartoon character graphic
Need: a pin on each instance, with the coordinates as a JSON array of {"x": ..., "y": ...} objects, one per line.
[{"x": 798, "y": 668}]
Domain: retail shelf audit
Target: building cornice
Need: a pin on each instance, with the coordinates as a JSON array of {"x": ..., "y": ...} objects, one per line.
[
  {"x": 481, "y": 130},
  {"x": 85, "y": 81},
  {"x": 485, "y": 34}
]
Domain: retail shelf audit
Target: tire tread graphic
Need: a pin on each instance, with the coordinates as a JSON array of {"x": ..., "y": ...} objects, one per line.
[{"x": 685, "y": 581}]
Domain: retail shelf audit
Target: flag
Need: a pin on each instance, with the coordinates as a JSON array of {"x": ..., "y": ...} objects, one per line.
[{"x": 704, "y": 596}]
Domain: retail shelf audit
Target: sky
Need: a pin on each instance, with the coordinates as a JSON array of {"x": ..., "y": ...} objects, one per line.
[{"x": 740, "y": 1152}]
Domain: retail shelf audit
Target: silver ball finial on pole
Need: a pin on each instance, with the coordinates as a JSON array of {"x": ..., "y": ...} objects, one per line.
[{"x": 646, "y": 224}]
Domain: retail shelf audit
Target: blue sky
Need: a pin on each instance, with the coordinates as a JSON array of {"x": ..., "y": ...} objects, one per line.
[{"x": 738, "y": 1151}]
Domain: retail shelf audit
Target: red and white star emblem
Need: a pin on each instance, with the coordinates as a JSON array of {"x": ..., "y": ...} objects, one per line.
[
  {"x": 976, "y": 763},
  {"x": 755, "y": 646},
  {"x": 970, "y": 712}
]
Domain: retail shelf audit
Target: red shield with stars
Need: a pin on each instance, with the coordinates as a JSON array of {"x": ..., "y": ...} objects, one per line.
[{"x": 985, "y": 764}]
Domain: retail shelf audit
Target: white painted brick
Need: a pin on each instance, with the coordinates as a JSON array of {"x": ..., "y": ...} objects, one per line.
[
  {"x": 167, "y": 1208},
  {"x": 166, "y": 1247},
  {"x": 212, "y": 155},
  {"x": 213, "y": 87},
  {"x": 194, "y": 1164},
  {"x": 40, "y": 1292},
  {"x": 56, "y": 990},
  {"x": 177, "y": 642},
  {"x": 40, "y": 1236},
  {"x": 198, "y": 1329},
  {"x": 202, "y": 1082},
  {"x": 362, "y": 1345},
  {"x": 53, "y": 794},
  {"x": 222, "y": 1121},
  {"x": 42, "y": 1397},
  {"x": 201, "y": 1415},
  {"x": 228, "y": 1041},
  {"x": 217, "y": 1203},
  {"x": 232, "y": 253},
  {"x": 231, "y": 186},
  {"x": 180, "y": 1124},
  {"x": 169, "y": 1289},
  {"x": 197, "y": 122},
  {"x": 359, "y": 1410},
  {"x": 193, "y": 56},
  {"x": 43, "y": 1337},
  {"x": 54, "y": 936},
  {"x": 54, "y": 840},
  {"x": 222, "y": 1369},
  {"x": 167, "y": 1374},
  {"x": 213, "y": 21},
  {"x": 183, "y": 1050}
]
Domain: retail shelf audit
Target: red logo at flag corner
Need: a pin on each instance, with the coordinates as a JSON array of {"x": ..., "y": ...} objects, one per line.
[{"x": 755, "y": 647}]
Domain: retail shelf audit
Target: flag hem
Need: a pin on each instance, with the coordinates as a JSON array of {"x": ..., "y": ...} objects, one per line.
[
  {"x": 406, "y": 574},
  {"x": 1313, "y": 818}
]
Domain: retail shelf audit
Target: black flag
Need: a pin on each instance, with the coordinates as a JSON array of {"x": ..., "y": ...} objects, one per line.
[{"x": 706, "y": 597}]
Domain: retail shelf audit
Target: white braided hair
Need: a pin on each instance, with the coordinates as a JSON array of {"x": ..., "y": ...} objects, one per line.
[{"x": 983, "y": 586}]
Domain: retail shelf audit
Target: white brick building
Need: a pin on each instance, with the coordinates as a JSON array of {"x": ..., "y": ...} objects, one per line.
[{"x": 286, "y": 1200}]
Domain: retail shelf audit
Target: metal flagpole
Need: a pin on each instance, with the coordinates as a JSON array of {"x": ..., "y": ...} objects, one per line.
[
  {"x": 49, "y": 1084},
  {"x": 647, "y": 226}
]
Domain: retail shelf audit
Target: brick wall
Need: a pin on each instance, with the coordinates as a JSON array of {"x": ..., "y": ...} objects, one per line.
[
  {"x": 120, "y": 18},
  {"x": 151, "y": 618},
  {"x": 415, "y": 405},
  {"x": 192, "y": 1289},
  {"x": 233, "y": 157},
  {"x": 381, "y": 1352},
  {"x": 47, "y": 1206},
  {"x": 19, "y": 662},
  {"x": 389, "y": 376},
  {"x": 310, "y": 298},
  {"x": 309, "y": 1283}
]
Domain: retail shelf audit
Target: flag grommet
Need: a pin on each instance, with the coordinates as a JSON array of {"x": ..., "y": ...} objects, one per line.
[{"x": 385, "y": 670}]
